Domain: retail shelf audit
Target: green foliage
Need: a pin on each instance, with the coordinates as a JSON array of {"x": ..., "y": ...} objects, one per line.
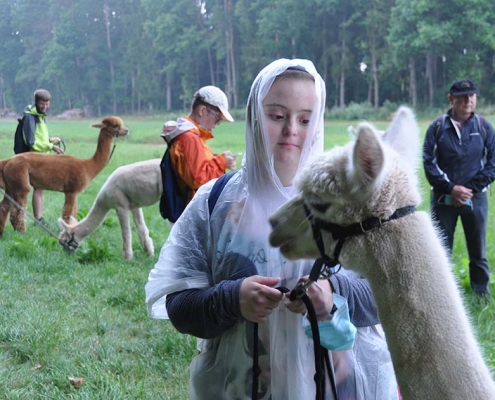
[
  {"x": 143, "y": 56},
  {"x": 93, "y": 252},
  {"x": 361, "y": 111},
  {"x": 21, "y": 248}
]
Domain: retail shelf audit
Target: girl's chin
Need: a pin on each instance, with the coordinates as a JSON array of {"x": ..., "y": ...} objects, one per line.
[{"x": 287, "y": 159}]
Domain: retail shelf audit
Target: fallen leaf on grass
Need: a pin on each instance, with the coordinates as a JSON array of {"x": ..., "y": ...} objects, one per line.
[
  {"x": 76, "y": 382},
  {"x": 35, "y": 367}
]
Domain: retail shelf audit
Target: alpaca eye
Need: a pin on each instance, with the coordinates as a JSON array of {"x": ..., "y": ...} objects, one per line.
[{"x": 320, "y": 207}]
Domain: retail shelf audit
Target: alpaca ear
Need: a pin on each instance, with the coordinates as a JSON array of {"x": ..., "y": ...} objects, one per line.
[
  {"x": 403, "y": 135},
  {"x": 62, "y": 224},
  {"x": 368, "y": 157},
  {"x": 99, "y": 126}
]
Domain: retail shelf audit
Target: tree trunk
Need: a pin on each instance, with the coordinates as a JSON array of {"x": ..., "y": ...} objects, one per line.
[
  {"x": 212, "y": 70},
  {"x": 133, "y": 93},
  {"x": 342, "y": 76},
  {"x": 234, "y": 91},
  {"x": 413, "y": 89},
  {"x": 230, "y": 54},
  {"x": 168, "y": 89},
  {"x": 139, "y": 98},
  {"x": 374, "y": 74},
  {"x": 429, "y": 75},
  {"x": 106, "y": 13}
]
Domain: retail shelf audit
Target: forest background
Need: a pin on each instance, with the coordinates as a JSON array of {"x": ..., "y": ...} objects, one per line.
[{"x": 148, "y": 56}]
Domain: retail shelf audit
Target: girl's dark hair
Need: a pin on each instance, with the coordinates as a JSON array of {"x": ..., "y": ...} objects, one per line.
[{"x": 296, "y": 73}]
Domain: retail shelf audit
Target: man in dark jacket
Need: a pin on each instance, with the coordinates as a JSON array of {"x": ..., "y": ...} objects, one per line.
[{"x": 459, "y": 163}]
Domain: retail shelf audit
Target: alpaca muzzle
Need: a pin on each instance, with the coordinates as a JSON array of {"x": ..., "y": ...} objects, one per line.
[{"x": 70, "y": 246}]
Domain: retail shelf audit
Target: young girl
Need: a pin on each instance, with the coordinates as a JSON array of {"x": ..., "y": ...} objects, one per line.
[{"x": 219, "y": 274}]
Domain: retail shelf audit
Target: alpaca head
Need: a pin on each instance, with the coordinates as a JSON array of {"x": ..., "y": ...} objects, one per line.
[
  {"x": 67, "y": 237},
  {"x": 113, "y": 126},
  {"x": 372, "y": 176}
]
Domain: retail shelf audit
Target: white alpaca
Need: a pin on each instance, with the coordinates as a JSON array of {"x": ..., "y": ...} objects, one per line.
[
  {"x": 128, "y": 188},
  {"x": 434, "y": 351}
]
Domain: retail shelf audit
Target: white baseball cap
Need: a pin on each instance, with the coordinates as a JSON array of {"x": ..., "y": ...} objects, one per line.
[{"x": 217, "y": 98}]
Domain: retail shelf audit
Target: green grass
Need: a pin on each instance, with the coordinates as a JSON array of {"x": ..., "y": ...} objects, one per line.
[{"x": 84, "y": 315}]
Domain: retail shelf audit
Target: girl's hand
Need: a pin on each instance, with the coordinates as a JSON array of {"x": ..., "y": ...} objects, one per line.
[
  {"x": 258, "y": 298},
  {"x": 321, "y": 296}
]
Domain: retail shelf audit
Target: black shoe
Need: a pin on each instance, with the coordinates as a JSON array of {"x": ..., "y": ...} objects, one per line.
[
  {"x": 41, "y": 222},
  {"x": 483, "y": 297}
]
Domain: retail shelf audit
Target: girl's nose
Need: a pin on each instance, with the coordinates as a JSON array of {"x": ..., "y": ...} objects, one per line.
[{"x": 290, "y": 127}]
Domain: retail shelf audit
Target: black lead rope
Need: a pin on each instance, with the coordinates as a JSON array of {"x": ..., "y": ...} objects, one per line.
[
  {"x": 319, "y": 270},
  {"x": 111, "y": 154},
  {"x": 318, "y": 350},
  {"x": 256, "y": 365}
]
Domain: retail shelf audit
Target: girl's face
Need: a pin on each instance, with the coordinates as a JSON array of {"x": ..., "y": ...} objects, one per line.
[{"x": 288, "y": 108}]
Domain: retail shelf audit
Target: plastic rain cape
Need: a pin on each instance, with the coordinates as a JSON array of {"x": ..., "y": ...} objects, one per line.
[{"x": 197, "y": 254}]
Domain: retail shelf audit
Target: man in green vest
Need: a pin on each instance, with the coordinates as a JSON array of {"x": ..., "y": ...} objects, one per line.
[{"x": 37, "y": 138}]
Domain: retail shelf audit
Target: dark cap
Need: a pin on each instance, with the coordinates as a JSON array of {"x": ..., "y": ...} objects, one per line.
[{"x": 462, "y": 87}]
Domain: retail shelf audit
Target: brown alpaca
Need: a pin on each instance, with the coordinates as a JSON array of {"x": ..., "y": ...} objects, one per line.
[{"x": 61, "y": 173}]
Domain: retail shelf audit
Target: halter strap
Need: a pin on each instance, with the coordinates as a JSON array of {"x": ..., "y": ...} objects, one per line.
[{"x": 341, "y": 233}]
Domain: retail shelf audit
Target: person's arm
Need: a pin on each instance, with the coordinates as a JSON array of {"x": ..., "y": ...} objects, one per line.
[
  {"x": 192, "y": 164},
  {"x": 487, "y": 175},
  {"x": 357, "y": 291},
  {"x": 434, "y": 174},
  {"x": 205, "y": 313}
]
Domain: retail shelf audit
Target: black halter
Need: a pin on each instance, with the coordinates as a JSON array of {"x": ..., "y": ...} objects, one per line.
[
  {"x": 341, "y": 233},
  {"x": 71, "y": 245}
]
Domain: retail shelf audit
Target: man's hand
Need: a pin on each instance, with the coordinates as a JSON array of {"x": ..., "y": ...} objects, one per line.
[
  {"x": 230, "y": 159},
  {"x": 55, "y": 140},
  {"x": 460, "y": 195},
  {"x": 58, "y": 150}
]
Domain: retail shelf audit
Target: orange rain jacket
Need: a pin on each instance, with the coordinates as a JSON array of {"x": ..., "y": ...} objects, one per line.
[{"x": 193, "y": 161}]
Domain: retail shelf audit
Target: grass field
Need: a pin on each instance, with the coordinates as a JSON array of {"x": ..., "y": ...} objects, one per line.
[{"x": 83, "y": 315}]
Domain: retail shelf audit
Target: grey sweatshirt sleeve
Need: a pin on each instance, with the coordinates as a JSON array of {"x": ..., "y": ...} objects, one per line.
[
  {"x": 206, "y": 313},
  {"x": 357, "y": 291}
]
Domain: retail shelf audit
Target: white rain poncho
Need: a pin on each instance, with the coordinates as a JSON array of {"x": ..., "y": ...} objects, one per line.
[{"x": 194, "y": 257}]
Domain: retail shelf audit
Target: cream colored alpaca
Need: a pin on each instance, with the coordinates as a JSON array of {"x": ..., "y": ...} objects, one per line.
[
  {"x": 434, "y": 351},
  {"x": 128, "y": 188},
  {"x": 62, "y": 173}
]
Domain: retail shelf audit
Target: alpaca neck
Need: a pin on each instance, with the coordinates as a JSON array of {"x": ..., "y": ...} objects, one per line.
[
  {"x": 102, "y": 154},
  {"x": 428, "y": 333},
  {"x": 92, "y": 221}
]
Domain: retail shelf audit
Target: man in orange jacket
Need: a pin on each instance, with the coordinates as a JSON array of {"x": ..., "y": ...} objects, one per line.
[{"x": 194, "y": 162}]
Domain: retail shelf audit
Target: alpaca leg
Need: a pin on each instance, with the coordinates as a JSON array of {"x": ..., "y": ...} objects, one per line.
[
  {"x": 125, "y": 226},
  {"x": 18, "y": 214},
  {"x": 70, "y": 207},
  {"x": 5, "y": 208},
  {"x": 143, "y": 232}
]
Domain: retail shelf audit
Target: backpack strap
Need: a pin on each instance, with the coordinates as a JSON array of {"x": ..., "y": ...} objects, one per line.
[
  {"x": 481, "y": 121},
  {"x": 441, "y": 122},
  {"x": 217, "y": 189}
]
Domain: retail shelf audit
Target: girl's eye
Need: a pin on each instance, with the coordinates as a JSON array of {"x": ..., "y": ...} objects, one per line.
[{"x": 305, "y": 121}]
